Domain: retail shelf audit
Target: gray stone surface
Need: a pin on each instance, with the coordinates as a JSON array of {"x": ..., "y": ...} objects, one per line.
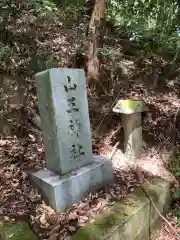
[
  {"x": 63, "y": 109},
  {"x": 63, "y": 191},
  {"x": 161, "y": 196},
  {"x": 131, "y": 115},
  {"x": 133, "y": 141},
  {"x": 72, "y": 171}
]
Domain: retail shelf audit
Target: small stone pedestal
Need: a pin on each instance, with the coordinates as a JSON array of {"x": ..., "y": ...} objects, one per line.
[
  {"x": 131, "y": 113},
  {"x": 72, "y": 171}
]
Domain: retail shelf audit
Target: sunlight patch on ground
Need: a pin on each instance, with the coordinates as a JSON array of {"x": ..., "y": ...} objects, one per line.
[
  {"x": 127, "y": 67},
  {"x": 151, "y": 162}
]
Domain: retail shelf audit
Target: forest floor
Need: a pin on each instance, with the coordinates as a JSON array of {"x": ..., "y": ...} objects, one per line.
[
  {"x": 21, "y": 201},
  {"x": 127, "y": 72},
  {"x": 163, "y": 232}
]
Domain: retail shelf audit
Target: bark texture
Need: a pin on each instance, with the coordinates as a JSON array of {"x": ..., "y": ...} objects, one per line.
[{"x": 95, "y": 40}]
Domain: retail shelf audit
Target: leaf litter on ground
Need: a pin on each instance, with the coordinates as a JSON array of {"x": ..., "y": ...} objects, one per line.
[{"x": 20, "y": 200}]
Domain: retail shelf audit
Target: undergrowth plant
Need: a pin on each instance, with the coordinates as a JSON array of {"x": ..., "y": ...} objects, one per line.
[
  {"x": 175, "y": 169},
  {"x": 152, "y": 23}
]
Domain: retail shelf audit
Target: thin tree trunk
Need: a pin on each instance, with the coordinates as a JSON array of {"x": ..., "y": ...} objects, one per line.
[{"x": 95, "y": 40}]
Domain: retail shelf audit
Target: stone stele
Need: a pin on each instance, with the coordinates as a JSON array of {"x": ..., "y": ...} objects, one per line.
[{"x": 72, "y": 170}]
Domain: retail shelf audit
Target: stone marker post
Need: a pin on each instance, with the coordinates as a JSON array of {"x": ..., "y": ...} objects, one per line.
[
  {"x": 131, "y": 112},
  {"x": 72, "y": 170}
]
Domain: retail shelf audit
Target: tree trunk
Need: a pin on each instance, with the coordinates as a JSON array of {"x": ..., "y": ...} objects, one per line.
[{"x": 95, "y": 40}]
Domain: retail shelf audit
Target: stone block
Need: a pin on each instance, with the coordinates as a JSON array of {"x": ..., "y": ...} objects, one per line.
[
  {"x": 131, "y": 120},
  {"x": 63, "y": 107},
  {"x": 62, "y": 191},
  {"x": 16, "y": 231},
  {"x": 132, "y": 218},
  {"x": 124, "y": 221},
  {"x": 72, "y": 170},
  {"x": 159, "y": 191},
  {"x": 133, "y": 141}
]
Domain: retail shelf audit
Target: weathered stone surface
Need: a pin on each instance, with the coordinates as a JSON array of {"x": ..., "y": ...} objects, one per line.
[
  {"x": 73, "y": 170},
  {"x": 133, "y": 141},
  {"x": 132, "y": 218},
  {"x": 131, "y": 115},
  {"x": 16, "y": 231},
  {"x": 160, "y": 193},
  {"x": 63, "y": 108},
  {"x": 125, "y": 220},
  {"x": 63, "y": 191}
]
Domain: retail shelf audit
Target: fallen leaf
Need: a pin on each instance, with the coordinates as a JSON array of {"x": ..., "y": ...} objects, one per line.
[
  {"x": 72, "y": 228},
  {"x": 6, "y": 218},
  {"x": 53, "y": 237},
  {"x": 4, "y": 142},
  {"x": 43, "y": 219},
  {"x": 82, "y": 219}
]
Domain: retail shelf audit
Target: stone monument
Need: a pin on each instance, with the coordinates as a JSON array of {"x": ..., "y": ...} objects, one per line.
[
  {"x": 72, "y": 170},
  {"x": 131, "y": 121}
]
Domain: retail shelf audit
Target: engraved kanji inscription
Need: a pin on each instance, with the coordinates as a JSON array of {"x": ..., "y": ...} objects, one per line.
[
  {"x": 70, "y": 86},
  {"x": 76, "y": 151},
  {"x": 72, "y": 105},
  {"x": 74, "y": 127}
]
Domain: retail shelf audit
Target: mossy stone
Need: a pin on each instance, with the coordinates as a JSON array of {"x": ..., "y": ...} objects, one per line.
[
  {"x": 16, "y": 231},
  {"x": 131, "y": 218},
  {"x": 113, "y": 218},
  {"x": 129, "y": 106}
]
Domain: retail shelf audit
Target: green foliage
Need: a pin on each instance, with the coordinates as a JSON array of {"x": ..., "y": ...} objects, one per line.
[
  {"x": 42, "y": 7},
  {"x": 69, "y": 2},
  {"x": 11, "y": 10},
  {"x": 177, "y": 194},
  {"x": 178, "y": 172},
  {"x": 5, "y": 52},
  {"x": 39, "y": 64},
  {"x": 174, "y": 166},
  {"x": 151, "y": 22},
  {"x": 67, "y": 11},
  {"x": 178, "y": 217}
]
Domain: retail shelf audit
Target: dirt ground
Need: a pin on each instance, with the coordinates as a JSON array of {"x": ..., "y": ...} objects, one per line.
[
  {"x": 128, "y": 73},
  {"x": 163, "y": 232}
]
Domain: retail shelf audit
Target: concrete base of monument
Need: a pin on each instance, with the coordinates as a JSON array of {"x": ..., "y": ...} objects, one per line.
[{"x": 62, "y": 191}]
